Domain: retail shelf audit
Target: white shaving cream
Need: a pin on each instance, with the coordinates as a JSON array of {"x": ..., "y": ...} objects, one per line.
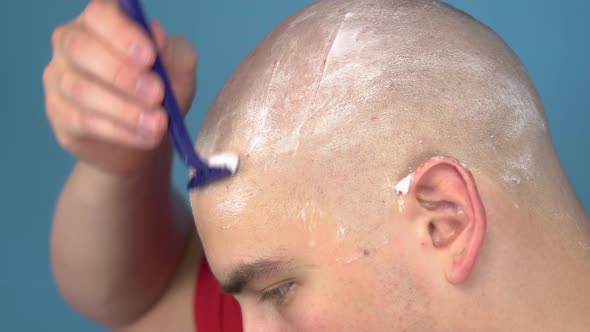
[
  {"x": 224, "y": 160},
  {"x": 403, "y": 186}
]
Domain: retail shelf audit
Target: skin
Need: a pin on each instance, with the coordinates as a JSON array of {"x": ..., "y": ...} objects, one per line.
[
  {"x": 123, "y": 246},
  {"x": 488, "y": 230},
  {"x": 333, "y": 107}
]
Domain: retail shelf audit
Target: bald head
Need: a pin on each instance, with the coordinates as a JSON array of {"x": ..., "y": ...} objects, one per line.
[
  {"x": 328, "y": 113},
  {"x": 373, "y": 87}
]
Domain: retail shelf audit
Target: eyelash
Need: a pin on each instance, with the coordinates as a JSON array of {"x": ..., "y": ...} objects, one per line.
[{"x": 277, "y": 295}]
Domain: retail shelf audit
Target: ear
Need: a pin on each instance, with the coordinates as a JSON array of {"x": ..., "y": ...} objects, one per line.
[{"x": 445, "y": 202}]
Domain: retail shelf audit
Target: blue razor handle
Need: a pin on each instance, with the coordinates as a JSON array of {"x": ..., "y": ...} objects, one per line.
[{"x": 176, "y": 126}]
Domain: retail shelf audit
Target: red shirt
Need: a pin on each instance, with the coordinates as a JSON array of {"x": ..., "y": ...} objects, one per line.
[{"x": 215, "y": 311}]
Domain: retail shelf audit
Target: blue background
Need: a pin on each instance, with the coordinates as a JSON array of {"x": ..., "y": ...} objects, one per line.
[{"x": 550, "y": 37}]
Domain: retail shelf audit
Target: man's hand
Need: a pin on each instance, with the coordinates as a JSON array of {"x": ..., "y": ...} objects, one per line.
[
  {"x": 117, "y": 241},
  {"x": 102, "y": 99}
]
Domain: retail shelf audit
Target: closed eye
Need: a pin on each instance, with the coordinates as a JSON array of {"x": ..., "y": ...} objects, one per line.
[{"x": 277, "y": 295}]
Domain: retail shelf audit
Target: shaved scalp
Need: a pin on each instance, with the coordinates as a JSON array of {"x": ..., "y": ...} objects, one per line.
[{"x": 348, "y": 96}]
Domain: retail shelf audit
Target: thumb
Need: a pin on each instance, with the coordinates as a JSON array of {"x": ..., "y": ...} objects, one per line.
[{"x": 180, "y": 60}]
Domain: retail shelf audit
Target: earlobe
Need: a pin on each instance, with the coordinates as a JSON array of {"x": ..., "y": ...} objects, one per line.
[{"x": 447, "y": 201}]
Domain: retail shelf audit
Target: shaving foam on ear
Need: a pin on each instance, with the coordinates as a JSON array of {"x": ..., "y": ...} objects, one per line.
[
  {"x": 224, "y": 160},
  {"x": 403, "y": 186}
]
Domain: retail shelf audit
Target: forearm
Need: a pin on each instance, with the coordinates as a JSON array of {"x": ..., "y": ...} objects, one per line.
[{"x": 116, "y": 241}]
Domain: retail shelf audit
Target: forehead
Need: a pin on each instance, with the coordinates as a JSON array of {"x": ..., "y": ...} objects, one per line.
[
  {"x": 258, "y": 214},
  {"x": 296, "y": 209},
  {"x": 260, "y": 195}
]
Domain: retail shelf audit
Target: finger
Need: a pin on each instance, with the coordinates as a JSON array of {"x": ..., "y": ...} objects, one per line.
[
  {"x": 112, "y": 25},
  {"x": 180, "y": 57},
  {"x": 53, "y": 111},
  {"x": 159, "y": 35},
  {"x": 99, "y": 99},
  {"x": 87, "y": 53},
  {"x": 180, "y": 60},
  {"x": 74, "y": 125}
]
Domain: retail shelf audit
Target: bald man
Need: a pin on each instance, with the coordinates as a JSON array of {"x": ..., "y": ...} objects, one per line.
[{"x": 396, "y": 174}]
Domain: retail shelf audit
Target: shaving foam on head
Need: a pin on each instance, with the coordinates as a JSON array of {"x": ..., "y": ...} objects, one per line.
[{"x": 225, "y": 160}]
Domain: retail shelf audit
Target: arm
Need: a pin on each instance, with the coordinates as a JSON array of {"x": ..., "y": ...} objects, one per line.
[
  {"x": 119, "y": 229},
  {"x": 116, "y": 241}
]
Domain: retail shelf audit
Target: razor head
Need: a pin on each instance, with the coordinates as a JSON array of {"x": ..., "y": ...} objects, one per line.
[{"x": 218, "y": 166}]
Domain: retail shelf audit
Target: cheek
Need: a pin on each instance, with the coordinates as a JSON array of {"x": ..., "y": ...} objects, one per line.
[
  {"x": 341, "y": 299},
  {"x": 320, "y": 317},
  {"x": 303, "y": 316}
]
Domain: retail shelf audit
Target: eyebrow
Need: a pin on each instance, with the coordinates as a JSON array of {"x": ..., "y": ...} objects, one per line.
[{"x": 244, "y": 274}]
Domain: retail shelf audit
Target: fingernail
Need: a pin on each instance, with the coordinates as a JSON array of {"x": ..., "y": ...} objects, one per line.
[
  {"x": 140, "y": 53},
  {"x": 146, "y": 87},
  {"x": 149, "y": 121}
]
